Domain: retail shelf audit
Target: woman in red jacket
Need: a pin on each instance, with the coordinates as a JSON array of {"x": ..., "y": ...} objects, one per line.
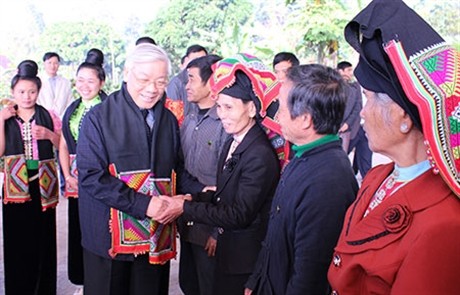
[{"x": 401, "y": 234}]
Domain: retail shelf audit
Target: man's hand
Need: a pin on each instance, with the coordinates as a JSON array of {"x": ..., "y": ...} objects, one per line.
[
  {"x": 156, "y": 206},
  {"x": 173, "y": 209},
  {"x": 211, "y": 246},
  {"x": 247, "y": 291}
]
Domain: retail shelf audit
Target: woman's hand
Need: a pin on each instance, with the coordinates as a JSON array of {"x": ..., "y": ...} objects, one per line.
[
  {"x": 71, "y": 183},
  {"x": 7, "y": 112},
  {"x": 40, "y": 132}
]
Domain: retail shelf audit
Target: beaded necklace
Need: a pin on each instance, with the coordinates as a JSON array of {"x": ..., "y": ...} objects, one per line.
[
  {"x": 395, "y": 181},
  {"x": 27, "y": 136}
]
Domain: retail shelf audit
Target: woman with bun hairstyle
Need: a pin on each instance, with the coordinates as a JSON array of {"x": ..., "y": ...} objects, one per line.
[
  {"x": 28, "y": 135},
  {"x": 89, "y": 81}
]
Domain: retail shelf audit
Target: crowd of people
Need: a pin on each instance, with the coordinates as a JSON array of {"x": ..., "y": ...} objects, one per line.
[{"x": 246, "y": 165}]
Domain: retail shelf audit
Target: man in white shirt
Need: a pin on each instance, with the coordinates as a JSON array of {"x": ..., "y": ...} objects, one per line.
[{"x": 55, "y": 94}]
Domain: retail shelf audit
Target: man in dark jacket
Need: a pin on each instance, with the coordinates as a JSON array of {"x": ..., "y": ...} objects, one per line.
[
  {"x": 314, "y": 191},
  {"x": 352, "y": 133},
  {"x": 124, "y": 142}
]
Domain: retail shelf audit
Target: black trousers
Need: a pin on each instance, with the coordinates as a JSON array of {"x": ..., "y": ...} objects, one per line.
[
  {"x": 362, "y": 160},
  {"x": 113, "y": 277},
  {"x": 29, "y": 249},
  {"x": 75, "y": 250},
  {"x": 196, "y": 269}
]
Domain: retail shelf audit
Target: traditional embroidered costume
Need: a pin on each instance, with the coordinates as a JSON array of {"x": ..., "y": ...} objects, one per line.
[
  {"x": 29, "y": 217},
  {"x": 117, "y": 156},
  {"x": 247, "y": 174},
  {"x": 402, "y": 238},
  {"x": 71, "y": 124}
]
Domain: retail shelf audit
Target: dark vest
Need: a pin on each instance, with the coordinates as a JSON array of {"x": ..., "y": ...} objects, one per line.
[
  {"x": 14, "y": 142},
  {"x": 71, "y": 143}
]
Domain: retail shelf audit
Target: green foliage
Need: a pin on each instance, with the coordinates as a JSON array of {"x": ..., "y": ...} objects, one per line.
[
  {"x": 443, "y": 17},
  {"x": 72, "y": 40},
  {"x": 322, "y": 23},
  {"x": 215, "y": 25}
]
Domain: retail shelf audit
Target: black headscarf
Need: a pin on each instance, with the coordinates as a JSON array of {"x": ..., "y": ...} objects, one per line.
[{"x": 380, "y": 22}]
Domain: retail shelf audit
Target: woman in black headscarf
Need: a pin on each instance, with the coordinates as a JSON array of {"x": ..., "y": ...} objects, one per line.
[
  {"x": 401, "y": 234},
  {"x": 248, "y": 172}
]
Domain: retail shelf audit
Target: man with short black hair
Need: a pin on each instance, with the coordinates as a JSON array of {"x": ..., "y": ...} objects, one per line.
[
  {"x": 352, "y": 133},
  {"x": 314, "y": 191},
  {"x": 282, "y": 62},
  {"x": 145, "y": 39},
  {"x": 202, "y": 138},
  {"x": 56, "y": 91},
  {"x": 176, "y": 87}
]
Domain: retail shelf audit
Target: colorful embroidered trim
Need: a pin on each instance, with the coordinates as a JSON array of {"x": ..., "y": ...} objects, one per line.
[
  {"x": 17, "y": 181},
  {"x": 264, "y": 83},
  {"x": 431, "y": 80},
  {"x": 281, "y": 146},
  {"x": 16, "y": 187},
  {"x": 177, "y": 108},
  {"x": 72, "y": 193},
  {"x": 49, "y": 184},
  {"x": 136, "y": 236}
]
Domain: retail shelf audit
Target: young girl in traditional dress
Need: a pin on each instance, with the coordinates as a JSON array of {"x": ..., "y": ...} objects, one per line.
[
  {"x": 89, "y": 81},
  {"x": 28, "y": 135}
]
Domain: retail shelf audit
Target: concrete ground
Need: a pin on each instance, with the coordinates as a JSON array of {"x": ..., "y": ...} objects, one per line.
[{"x": 64, "y": 287}]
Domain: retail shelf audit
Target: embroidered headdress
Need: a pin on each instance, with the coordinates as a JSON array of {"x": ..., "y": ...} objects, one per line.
[
  {"x": 401, "y": 55},
  {"x": 257, "y": 76}
]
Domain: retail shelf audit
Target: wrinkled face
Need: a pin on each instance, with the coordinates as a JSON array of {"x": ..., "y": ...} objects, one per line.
[
  {"x": 281, "y": 70},
  {"x": 25, "y": 94},
  {"x": 237, "y": 117},
  {"x": 347, "y": 73},
  {"x": 51, "y": 66},
  {"x": 88, "y": 84},
  {"x": 291, "y": 128},
  {"x": 196, "y": 90},
  {"x": 146, "y": 82},
  {"x": 381, "y": 129}
]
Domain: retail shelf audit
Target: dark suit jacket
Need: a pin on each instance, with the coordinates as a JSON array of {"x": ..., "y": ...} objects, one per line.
[
  {"x": 113, "y": 132},
  {"x": 306, "y": 218},
  {"x": 245, "y": 187}
]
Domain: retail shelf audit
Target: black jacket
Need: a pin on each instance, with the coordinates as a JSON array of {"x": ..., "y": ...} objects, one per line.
[{"x": 245, "y": 188}]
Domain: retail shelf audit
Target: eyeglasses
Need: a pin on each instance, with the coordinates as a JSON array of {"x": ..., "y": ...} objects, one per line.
[{"x": 160, "y": 83}]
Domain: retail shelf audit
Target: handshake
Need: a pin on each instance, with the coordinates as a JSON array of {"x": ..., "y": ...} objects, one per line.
[{"x": 165, "y": 209}]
